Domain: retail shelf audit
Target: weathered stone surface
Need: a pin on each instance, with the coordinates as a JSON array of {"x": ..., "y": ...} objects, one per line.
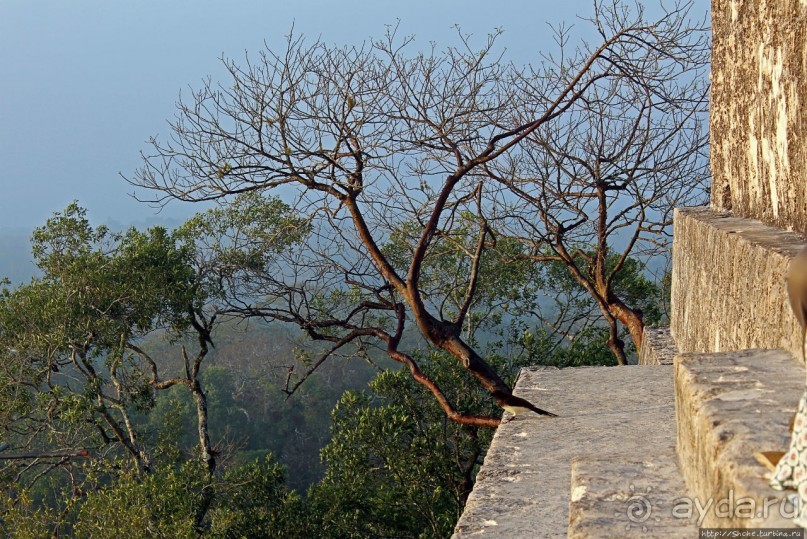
[
  {"x": 615, "y": 496},
  {"x": 757, "y": 119},
  {"x": 523, "y": 489},
  {"x": 658, "y": 346},
  {"x": 728, "y": 406},
  {"x": 728, "y": 284}
]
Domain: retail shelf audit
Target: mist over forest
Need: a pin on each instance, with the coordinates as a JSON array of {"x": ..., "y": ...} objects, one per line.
[
  {"x": 15, "y": 255},
  {"x": 385, "y": 235},
  {"x": 16, "y": 262}
]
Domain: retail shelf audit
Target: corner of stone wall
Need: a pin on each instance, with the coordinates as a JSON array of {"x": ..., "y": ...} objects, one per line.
[
  {"x": 658, "y": 346},
  {"x": 729, "y": 406},
  {"x": 728, "y": 283}
]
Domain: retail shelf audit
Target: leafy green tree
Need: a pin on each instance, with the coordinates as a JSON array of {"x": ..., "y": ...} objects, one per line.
[
  {"x": 253, "y": 501},
  {"x": 248, "y": 501},
  {"x": 566, "y": 328},
  {"x": 396, "y": 466},
  {"x": 171, "y": 502},
  {"x": 67, "y": 337},
  {"x": 541, "y": 346},
  {"x": 78, "y": 373},
  {"x": 21, "y": 518}
]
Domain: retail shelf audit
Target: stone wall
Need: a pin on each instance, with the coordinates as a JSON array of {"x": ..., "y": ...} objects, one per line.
[
  {"x": 728, "y": 288},
  {"x": 759, "y": 89}
]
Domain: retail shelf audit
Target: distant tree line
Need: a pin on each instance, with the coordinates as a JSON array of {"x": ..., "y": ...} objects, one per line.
[{"x": 433, "y": 221}]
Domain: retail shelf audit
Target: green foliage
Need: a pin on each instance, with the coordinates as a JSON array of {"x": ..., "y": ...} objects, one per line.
[
  {"x": 635, "y": 289},
  {"x": 184, "y": 501},
  {"x": 174, "y": 501},
  {"x": 253, "y": 501},
  {"x": 233, "y": 244},
  {"x": 160, "y": 504},
  {"x": 541, "y": 347},
  {"x": 22, "y": 519},
  {"x": 97, "y": 288},
  {"x": 630, "y": 283},
  {"x": 115, "y": 283},
  {"x": 397, "y": 467},
  {"x": 249, "y": 414},
  {"x": 506, "y": 281},
  {"x": 66, "y": 336},
  {"x": 75, "y": 375},
  {"x": 550, "y": 315},
  {"x": 570, "y": 330}
]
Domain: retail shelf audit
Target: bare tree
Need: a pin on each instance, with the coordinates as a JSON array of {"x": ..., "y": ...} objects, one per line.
[
  {"x": 600, "y": 183},
  {"x": 386, "y": 152}
]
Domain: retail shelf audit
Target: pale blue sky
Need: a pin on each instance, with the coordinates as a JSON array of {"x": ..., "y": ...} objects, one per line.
[{"x": 84, "y": 83}]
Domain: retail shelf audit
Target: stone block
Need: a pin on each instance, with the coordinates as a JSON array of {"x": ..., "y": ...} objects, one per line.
[
  {"x": 523, "y": 488},
  {"x": 658, "y": 346},
  {"x": 728, "y": 284},
  {"x": 619, "y": 496},
  {"x": 729, "y": 406}
]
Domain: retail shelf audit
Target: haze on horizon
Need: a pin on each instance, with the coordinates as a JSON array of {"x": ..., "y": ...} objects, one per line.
[{"x": 84, "y": 84}]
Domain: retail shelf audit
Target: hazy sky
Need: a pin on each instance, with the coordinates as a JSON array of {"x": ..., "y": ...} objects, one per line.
[{"x": 83, "y": 84}]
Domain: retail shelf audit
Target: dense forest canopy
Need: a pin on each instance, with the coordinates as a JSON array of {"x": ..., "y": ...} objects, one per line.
[{"x": 396, "y": 233}]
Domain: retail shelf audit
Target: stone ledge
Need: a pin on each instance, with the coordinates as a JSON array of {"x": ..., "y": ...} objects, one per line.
[
  {"x": 619, "y": 496},
  {"x": 728, "y": 284},
  {"x": 728, "y": 406},
  {"x": 523, "y": 488},
  {"x": 658, "y": 346}
]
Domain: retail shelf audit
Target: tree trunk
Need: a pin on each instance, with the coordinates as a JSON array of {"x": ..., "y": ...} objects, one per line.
[
  {"x": 204, "y": 438},
  {"x": 631, "y": 319},
  {"x": 615, "y": 344}
]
